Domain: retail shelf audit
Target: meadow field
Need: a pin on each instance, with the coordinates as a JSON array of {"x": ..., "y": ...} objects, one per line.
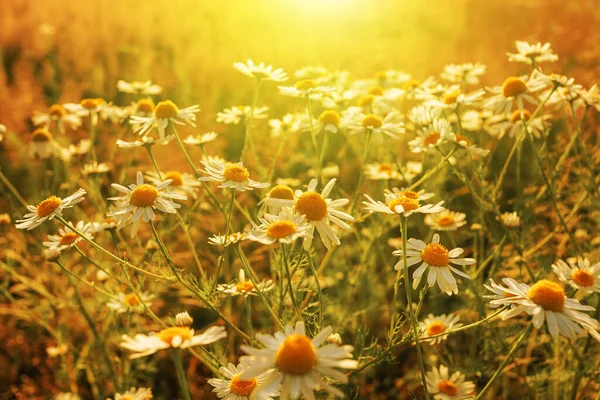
[{"x": 317, "y": 199}]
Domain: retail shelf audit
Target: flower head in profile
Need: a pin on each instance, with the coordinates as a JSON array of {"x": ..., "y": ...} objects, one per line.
[
  {"x": 234, "y": 115},
  {"x": 245, "y": 287},
  {"x": 300, "y": 360},
  {"x": 230, "y": 175},
  {"x": 468, "y": 73},
  {"x": 47, "y": 209},
  {"x": 305, "y": 87},
  {"x": 141, "y": 199},
  {"x": 130, "y": 302},
  {"x": 318, "y": 210},
  {"x": 135, "y": 394},
  {"x": 532, "y": 53},
  {"x": 201, "y": 140},
  {"x": 262, "y": 387},
  {"x": 165, "y": 112},
  {"x": 177, "y": 337},
  {"x": 510, "y": 219},
  {"x": 436, "y": 258},
  {"x": 382, "y": 171},
  {"x": 388, "y": 125},
  {"x": 261, "y": 71},
  {"x": 403, "y": 201},
  {"x": 329, "y": 121},
  {"x": 546, "y": 302},
  {"x": 146, "y": 88},
  {"x": 446, "y": 220},
  {"x": 58, "y": 116},
  {"x": 436, "y": 325},
  {"x": 444, "y": 386},
  {"x": 42, "y": 145},
  {"x": 284, "y": 227},
  {"x": 147, "y": 141},
  {"x": 67, "y": 238},
  {"x": 95, "y": 168},
  {"x": 579, "y": 273},
  {"x": 281, "y": 192}
]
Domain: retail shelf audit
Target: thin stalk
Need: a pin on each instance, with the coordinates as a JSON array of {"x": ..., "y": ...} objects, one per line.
[
  {"x": 12, "y": 189},
  {"x": 248, "y": 315},
  {"x": 227, "y": 229},
  {"x": 284, "y": 258},
  {"x": 181, "y": 379},
  {"x": 432, "y": 171}
]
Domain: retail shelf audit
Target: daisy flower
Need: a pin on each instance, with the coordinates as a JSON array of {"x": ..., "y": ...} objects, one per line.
[
  {"x": 130, "y": 302},
  {"x": 141, "y": 199},
  {"x": 466, "y": 144},
  {"x": 446, "y": 220},
  {"x": 453, "y": 97},
  {"x": 432, "y": 135},
  {"x": 263, "y": 387},
  {"x": 445, "y": 387},
  {"x": 81, "y": 148},
  {"x": 306, "y": 87},
  {"x": 514, "y": 90},
  {"x": 437, "y": 258},
  {"x": 222, "y": 240},
  {"x": 43, "y": 145},
  {"x": 181, "y": 182},
  {"x": 183, "y": 319},
  {"x": 329, "y": 120},
  {"x": 135, "y": 394},
  {"x": 546, "y": 301},
  {"x": 285, "y": 227},
  {"x": 165, "y": 112},
  {"x": 436, "y": 325},
  {"x": 300, "y": 360},
  {"x": 177, "y": 337},
  {"x": 231, "y": 175},
  {"x": 47, "y": 209},
  {"x": 510, "y": 220},
  {"x": 532, "y": 53},
  {"x": 579, "y": 274},
  {"x": 95, "y": 168},
  {"x": 423, "y": 115},
  {"x": 283, "y": 192},
  {"x": 361, "y": 123},
  {"x": 405, "y": 202},
  {"x": 261, "y": 71},
  {"x": 138, "y": 87},
  {"x": 499, "y": 125},
  {"x": 382, "y": 171},
  {"x": 57, "y": 115},
  {"x": 319, "y": 211},
  {"x": 67, "y": 238},
  {"x": 289, "y": 123},
  {"x": 233, "y": 115},
  {"x": 245, "y": 287},
  {"x": 201, "y": 139},
  {"x": 468, "y": 73},
  {"x": 145, "y": 141},
  {"x": 143, "y": 108}
]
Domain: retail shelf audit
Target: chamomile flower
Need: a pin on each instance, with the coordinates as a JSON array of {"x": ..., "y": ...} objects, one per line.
[
  {"x": 177, "y": 337},
  {"x": 201, "y": 139},
  {"x": 181, "y": 182},
  {"x": 222, "y": 240},
  {"x": 306, "y": 87},
  {"x": 445, "y": 387},
  {"x": 183, "y": 319},
  {"x": 532, "y": 53},
  {"x": 301, "y": 361},
  {"x": 329, "y": 120},
  {"x": 319, "y": 211},
  {"x": 95, "y": 168},
  {"x": 423, "y": 115},
  {"x": 135, "y": 394},
  {"x": 47, "y": 209},
  {"x": 389, "y": 125},
  {"x": 42, "y": 145},
  {"x": 261, "y": 71},
  {"x": 382, "y": 171},
  {"x": 145, "y": 141},
  {"x": 81, "y": 148},
  {"x": 405, "y": 202},
  {"x": 468, "y": 73},
  {"x": 510, "y": 220},
  {"x": 514, "y": 91},
  {"x": 67, "y": 238},
  {"x": 137, "y": 87},
  {"x": 546, "y": 301},
  {"x": 432, "y": 135},
  {"x": 579, "y": 274},
  {"x": 231, "y": 175},
  {"x": 438, "y": 259},
  {"x": 292, "y": 123},
  {"x": 433, "y": 326},
  {"x": 164, "y": 112},
  {"x": 453, "y": 97},
  {"x": 234, "y": 115},
  {"x": 143, "y": 108},
  {"x": 466, "y": 144},
  {"x": 262, "y": 387},
  {"x": 57, "y": 115},
  {"x": 141, "y": 199},
  {"x": 130, "y": 302},
  {"x": 499, "y": 125},
  {"x": 245, "y": 287},
  {"x": 285, "y": 227},
  {"x": 283, "y": 192},
  {"x": 446, "y": 220}
]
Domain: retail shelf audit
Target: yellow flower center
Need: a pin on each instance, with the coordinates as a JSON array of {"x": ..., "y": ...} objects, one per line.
[
  {"x": 281, "y": 229},
  {"x": 236, "y": 173},
  {"x": 281, "y": 192},
  {"x": 296, "y": 355},
  {"x": 548, "y": 294},
  {"x": 582, "y": 278},
  {"x": 91, "y": 104},
  {"x": 366, "y": 100},
  {"x": 68, "y": 238},
  {"x": 385, "y": 168},
  {"x": 166, "y": 109},
  {"x": 242, "y": 388},
  {"x": 306, "y": 84},
  {"x": 376, "y": 91},
  {"x": 515, "y": 116},
  {"x": 330, "y": 117},
  {"x": 407, "y": 203},
  {"x": 436, "y": 255},
  {"x": 48, "y": 206},
  {"x": 57, "y": 110},
  {"x": 513, "y": 86},
  {"x": 145, "y": 106},
  {"x": 435, "y": 328},
  {"x": 410, "y": 194},
  {"x": 167, "y": 335},
  {"x": 371, "y": 121},
  {"x": 41, "y": 135},
  {"x": 448, "y": 388},
  {"x": 244, "y": 286},
  {"x": 176, "y": 177},
  {"x": 450, "y": 97},
  {"x": 127, "y": 397},
  {"x": 143, "y": 196},
  {"x": 445, "y": 220},
  {"x": 461, "y": 138},
  {"x": 410, "y": 84},
  {"x": 312, "y": 205},
  {"x": 132, "y": 300},
  {"x": 432, "y": 139}
]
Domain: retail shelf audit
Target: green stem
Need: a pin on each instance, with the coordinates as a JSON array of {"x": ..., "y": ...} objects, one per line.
[
  {"x": 185, "y": 391},
  {"x": 248, "y": 315},
  {"x": 432, "y": 171},
  {"x": 284, "y": 258}
]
